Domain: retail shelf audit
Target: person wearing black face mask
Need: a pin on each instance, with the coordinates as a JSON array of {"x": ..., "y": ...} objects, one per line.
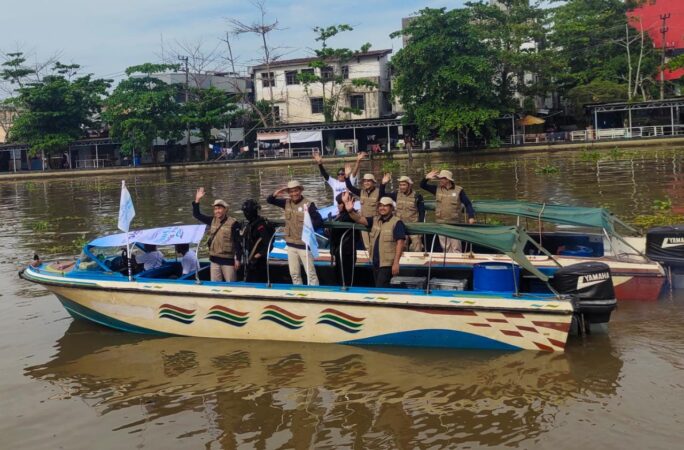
[{"x": 256, "y": 237}]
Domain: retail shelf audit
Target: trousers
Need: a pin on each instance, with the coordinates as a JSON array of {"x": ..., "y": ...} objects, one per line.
[{"x": 296, "y": 258}]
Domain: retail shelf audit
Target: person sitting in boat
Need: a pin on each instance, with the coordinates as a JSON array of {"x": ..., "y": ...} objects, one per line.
[
  {"x": 296, "y": 207},
  {"x": 189, "y": 261},
  {"x": 150, "y": 259},
  {"x": 338, "y": 184},
  {"x": 343, "y": 245},
  {"x": 368, "y": 196},
  {"x": 225, "y": 249},
  {"x": 410, "y": 207},
  {"x": 450, "y": 200},
  {"x": 256, "y": 238},
  {"x": 387, "y": 238}
]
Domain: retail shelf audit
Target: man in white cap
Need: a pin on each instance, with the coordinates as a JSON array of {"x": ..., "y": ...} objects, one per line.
[
  {"x": 225, "y": 249},
  {"x": 368, "y": 195},
  {"x": 295, "y": 207},
  {"x": 450, "y": 200},
  {"x": 410, "y": 207},
  {"x": 387, "y": 238},
  {"x": 337, "y": 184}
]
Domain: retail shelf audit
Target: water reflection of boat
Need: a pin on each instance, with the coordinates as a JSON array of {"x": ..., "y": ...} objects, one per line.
[
  {"x": 154, "y": 302},
  {"x": 253, "y": 392}
]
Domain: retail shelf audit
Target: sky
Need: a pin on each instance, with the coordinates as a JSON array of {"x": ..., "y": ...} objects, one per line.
[{"x": 105, "y": 37}]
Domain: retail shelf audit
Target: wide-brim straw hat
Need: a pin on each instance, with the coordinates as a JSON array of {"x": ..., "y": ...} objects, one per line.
[
  {"x": 294, "y": 184},
  {"x": 406, "y": 179},
  {"x": 386, "y": 201},
  {"x": 220, "y": 202},
  {"x": 446, "y": 174},
  {"x": 370, "y": 176}
]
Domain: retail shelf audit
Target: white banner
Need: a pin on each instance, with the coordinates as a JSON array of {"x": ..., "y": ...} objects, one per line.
[
  {"x": 297, "y": 137},
  {"x": 178, "y": 234}
]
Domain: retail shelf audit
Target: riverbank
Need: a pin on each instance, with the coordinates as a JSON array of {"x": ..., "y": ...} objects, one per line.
[{"x": 213, "y": 165}]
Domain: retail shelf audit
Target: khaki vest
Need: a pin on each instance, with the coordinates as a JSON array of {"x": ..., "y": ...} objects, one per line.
[
  {"x": 448, "y": 208},
  {"x": 222, "y": 245},
  {"x": 406, "y": 207},
  {"x": 294, "y": 220},
  {"x": 369, "y": 202},
  {"x": 382, "y": 233}
]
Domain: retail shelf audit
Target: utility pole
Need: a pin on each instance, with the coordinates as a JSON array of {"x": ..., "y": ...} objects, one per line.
[
  {"x": 188, "y": 150},
  {"x": 663, "y": 31}
]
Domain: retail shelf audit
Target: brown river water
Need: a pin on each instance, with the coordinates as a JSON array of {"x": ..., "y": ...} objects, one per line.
[{"x": 67, "y": 384}]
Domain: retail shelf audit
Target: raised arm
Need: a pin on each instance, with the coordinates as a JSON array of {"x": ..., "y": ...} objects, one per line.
[
  {"x": 319, "y": 160},
  {"x": 349, "y": 206},
  {"x": 425, "y": 185},
  {"x": 357, "y": 164},
  {"x": 195, "y": 208},
  {"x": 275, "y": 201},
  {"x": 351, "y": 188}
]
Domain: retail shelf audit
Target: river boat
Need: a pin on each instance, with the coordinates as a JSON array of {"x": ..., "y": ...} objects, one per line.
[{"x": 97, "y": 288}]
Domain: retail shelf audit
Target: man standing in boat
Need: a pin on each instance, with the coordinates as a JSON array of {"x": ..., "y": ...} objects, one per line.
[
  {"x": 225, "y": 249},
  {"x": 256, "y": 238},
  {"x": 450, "y": 200},
  {"x": 295, "y": 208},
  {"x": 337, "y": 184},
  {"x": 410, "y": 207},
  {"x": 387, "y": 238},
  {"x": 368, "y": 196}
]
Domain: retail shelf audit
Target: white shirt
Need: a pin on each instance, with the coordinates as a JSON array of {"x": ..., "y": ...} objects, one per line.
[
  {"x": 338, "y": 186},
  {"x": 189, "y": 262},
  {"x": 150, "y": 260}
]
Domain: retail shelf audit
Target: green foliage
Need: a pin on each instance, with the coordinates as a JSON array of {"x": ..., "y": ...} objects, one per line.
[
  {"x": 662, "y": 215},
  {"x": 390, "y": 166},
  {"x": 40, "y": 225},
  {"x": 14, "y": 69},
  {"x": 327, "y": 73},
  {"x": 55, "y": 110},
  {"x": 597, "y": 91},
  {"x": 209, "y": 108},
  {"x": 548, "y": 169},
  {"x": 142, "y": 108},
  {"x": 444, "y": 74},
  {"x": 588, "y": 155}
]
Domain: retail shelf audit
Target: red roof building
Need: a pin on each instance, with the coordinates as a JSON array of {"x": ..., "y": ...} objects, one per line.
[{"x": 647, "y": 17}]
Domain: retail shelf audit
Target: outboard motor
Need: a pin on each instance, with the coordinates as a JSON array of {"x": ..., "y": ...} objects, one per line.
[
  {"x": 666, "y": 246},
  {"x": 592, "y": 286}
]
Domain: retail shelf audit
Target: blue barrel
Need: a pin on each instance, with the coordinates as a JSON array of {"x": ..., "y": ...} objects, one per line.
[
  {"x": 578, "y": 250},
  {"x": 496, "y": 276}
]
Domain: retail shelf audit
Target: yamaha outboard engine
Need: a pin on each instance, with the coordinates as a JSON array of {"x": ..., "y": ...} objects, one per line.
[
  {"x": 666, "y": 246},
  {"x": 591, "y": 284}
]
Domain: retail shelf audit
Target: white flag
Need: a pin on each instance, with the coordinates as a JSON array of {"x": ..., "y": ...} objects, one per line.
[
  {"x": 126, "y": 210},
  {"x": 309, "y": 235}
]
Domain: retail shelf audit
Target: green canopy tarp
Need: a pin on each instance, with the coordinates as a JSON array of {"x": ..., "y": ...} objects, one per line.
[{"x": 510, "y": 240}]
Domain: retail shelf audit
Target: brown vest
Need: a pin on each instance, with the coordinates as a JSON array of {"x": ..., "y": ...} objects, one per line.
[
  {"x": 294, "y": 220},
  {"x": 407, "y": 210},
  {"x": 369, "y": 203},
  {"x": 222, "y": 243},
  {"x": 448, "y": 207},
  {"x": 382, "y": 234}
]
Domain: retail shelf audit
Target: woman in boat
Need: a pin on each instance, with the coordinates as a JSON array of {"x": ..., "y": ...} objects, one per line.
[
  {"x": 450, "y": 199},
  {"x": 225, "y": 249},
  {"x": 295, "y": 208},
  {"x": 410, "y": 207},
  {"x": 337, "y": 184},
  {"x": 387, "y": 238},
  {"x": 343, "y": 245}
]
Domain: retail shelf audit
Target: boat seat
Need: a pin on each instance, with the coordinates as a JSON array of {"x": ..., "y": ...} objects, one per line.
[{"x": 166, "y": 270}]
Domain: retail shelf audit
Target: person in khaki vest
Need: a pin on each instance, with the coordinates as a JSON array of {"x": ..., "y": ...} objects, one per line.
[
  {"x": 410, "y": 207},
  {"x": 387, "y": 238},
  {"x": 449, "y": 199},
  {"x": 368, "y": 196},
  {"x": 295, "y": 208},
  {"x": 225, "y": 249}
]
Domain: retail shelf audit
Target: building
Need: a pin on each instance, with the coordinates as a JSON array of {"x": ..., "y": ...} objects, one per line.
[
  {"x": 7, "y": 115},
  {"x": 280, "y": 83}
]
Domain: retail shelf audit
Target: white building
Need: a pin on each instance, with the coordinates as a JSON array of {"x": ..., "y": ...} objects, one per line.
[{"x": 293, "y": 103}]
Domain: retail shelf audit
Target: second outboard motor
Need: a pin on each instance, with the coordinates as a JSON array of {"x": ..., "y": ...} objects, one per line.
[
  {"x": 666, "y": 246},
  {"x": 592, "y": 286}
]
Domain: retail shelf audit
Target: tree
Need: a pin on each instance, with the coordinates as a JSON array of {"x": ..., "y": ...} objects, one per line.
[
  {"x": 598, "y": 91},
  {"x": 209, "y": 108},
  {"x": 56, "y": 110},
  {"x": 142, "y": 108},
  {"x": 444, "y": 74},
  {"x": 516, "y": 32},
  {"x": 595, "y": 43},
  {"x": 328, "y": 74}
]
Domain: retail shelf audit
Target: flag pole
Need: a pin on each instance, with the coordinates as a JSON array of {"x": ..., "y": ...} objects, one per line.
[
  {"x": 306, "y": 269},
  {"x": 128, "y": 252}
]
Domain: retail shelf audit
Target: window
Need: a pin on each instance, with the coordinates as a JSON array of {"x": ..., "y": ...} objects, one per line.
[
  {"x": 345, "y": 72},
  {"x": 317, "y": 105},
  {"x": 267, "y": 79},
  {"x": 276, "y": 113},
  {"x": 327, "y": 73},
  {"x": 310, "y": 71},
  {"x": 291, "y": 77},
  {"x": 357, "y": 102}
]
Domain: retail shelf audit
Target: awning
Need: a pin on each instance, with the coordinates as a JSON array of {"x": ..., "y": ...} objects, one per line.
[
  {"x": 180, "y": 234},
  {"x": 272, "y": 136}
]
